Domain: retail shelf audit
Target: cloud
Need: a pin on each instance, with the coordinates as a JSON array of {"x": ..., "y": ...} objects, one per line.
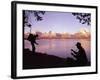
[{"x": 81, "y": 34}]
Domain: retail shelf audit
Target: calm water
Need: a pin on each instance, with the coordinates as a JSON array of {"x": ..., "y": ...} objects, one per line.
[{"x": 60, "y": 47}]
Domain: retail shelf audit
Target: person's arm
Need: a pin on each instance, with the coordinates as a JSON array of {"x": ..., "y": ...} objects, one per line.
[
  {"x": 73, "y": 55},
  {"x": 74, "y": 51},
  {"x": 36, "y": 43}
]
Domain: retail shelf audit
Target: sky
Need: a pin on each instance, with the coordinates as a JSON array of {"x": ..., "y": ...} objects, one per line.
[{"x": 57, "y": 22}]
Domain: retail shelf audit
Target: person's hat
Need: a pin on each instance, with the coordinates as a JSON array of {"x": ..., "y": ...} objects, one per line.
[
  {"x": 78, "y": 44},
  {"x": 36, "y": 35}
]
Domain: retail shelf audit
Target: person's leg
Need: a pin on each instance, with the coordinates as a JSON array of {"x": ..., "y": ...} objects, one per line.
[{"x": 33, "y": 48}]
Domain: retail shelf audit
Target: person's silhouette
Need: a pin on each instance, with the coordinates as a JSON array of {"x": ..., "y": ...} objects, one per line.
[
  {"x": 32, "y": 38},
  {"x": 80, "y": 56}
]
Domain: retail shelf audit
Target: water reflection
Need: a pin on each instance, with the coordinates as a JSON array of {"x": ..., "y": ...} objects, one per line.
[{"x": 60, "y": 47}]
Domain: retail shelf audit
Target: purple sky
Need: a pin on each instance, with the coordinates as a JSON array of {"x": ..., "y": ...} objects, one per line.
[{"x": 56, "y": 22}]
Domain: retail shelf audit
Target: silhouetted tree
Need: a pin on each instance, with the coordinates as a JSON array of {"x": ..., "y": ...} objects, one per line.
[
  {"x": 84, "y": 18},
  {"x": 37, "y": 15}
]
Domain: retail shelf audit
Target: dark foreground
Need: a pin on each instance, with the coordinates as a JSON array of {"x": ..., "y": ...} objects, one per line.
[{"x": 43, "y": 60}]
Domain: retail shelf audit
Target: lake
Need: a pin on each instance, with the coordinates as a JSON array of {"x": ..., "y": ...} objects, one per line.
[{"x": 60, "y": 47}]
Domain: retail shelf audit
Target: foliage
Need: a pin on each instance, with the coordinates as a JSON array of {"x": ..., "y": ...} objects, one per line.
[
  {"x": 37, "y": 15},
  {"x": 84, "y": 18}
]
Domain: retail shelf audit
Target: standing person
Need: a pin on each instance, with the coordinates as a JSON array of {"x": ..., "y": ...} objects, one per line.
[
  {"x": 32, "y": 38},
  {"x": 80, "y": 56}
]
